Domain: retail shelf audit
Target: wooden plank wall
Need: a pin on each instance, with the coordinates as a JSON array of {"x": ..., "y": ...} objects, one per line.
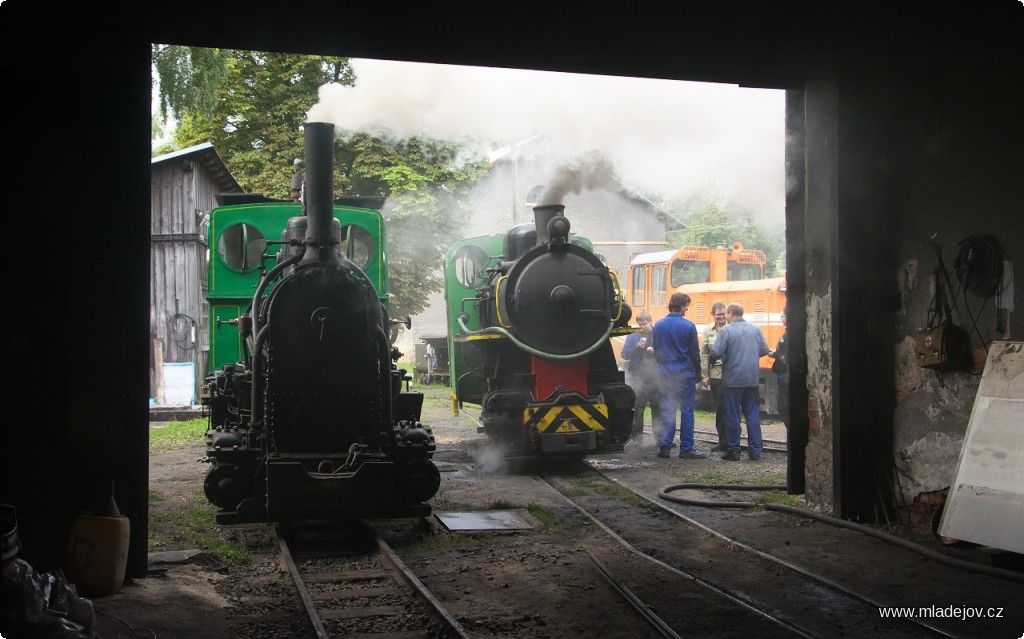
[{"x": 182, "y": 195}]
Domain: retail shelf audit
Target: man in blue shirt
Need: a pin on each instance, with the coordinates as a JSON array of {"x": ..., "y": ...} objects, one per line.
[
  {"x": 740, "y": 346},
  {"x": 675, "y": 345}
]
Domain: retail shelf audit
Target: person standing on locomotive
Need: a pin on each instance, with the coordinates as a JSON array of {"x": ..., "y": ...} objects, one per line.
[
  {"x": 675, "y": 344},
  {"x": 711, "y": 371},
  {"x": 642, "y": 376}
]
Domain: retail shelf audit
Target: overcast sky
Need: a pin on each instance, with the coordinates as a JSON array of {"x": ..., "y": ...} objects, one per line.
[{"x": 662, "y": 136}]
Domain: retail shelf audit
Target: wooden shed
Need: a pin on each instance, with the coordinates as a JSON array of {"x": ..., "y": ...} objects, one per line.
[{"x": 184, "y": 186}]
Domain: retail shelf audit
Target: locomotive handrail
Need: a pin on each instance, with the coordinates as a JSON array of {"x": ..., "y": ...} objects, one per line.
[
  {"x": 618, "y": 291},
  {"x": 262, "y": 286},
  {"x": 256, "y": 416},
  {"x": 492, "y": 330},
  {"x": 497, "y": 301}
]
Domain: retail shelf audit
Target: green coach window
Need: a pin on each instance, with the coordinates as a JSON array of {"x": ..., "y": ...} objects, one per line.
[
  {"x": 470, "y": 262},
  {"x": 241, "y": 246},
  {"x": 356, "y": 245}
]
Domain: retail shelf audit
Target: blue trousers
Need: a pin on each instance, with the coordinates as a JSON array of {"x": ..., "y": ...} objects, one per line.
[
  {"x": 678, "y": 392},
  {"x": 743, "y": 399}
]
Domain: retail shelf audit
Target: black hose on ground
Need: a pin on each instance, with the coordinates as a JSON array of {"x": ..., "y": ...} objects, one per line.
[{"x": 833, "y": 521}]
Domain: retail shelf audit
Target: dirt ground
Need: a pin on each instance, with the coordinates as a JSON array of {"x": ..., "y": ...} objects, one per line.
[{"x": 194, "y": 594}]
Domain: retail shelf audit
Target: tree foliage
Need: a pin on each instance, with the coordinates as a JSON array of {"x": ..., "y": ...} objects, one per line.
[
  {"x": 428, "y": 183},
  {"x": 189, "y": 78},
  {"x": 711, "y": 220},
  {"x": 255, "y": 124}
]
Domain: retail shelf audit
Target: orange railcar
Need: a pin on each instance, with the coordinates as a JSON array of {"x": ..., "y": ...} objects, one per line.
[{"x": 709, "y": 274}]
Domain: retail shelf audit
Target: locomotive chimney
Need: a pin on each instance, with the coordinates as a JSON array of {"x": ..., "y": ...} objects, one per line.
[
  {"x": 542, "y": 215},
  {"x": 319, "y": 198}
]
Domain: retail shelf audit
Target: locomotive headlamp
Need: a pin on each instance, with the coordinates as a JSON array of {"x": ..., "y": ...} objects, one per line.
[{"x": 558, "y": 228}]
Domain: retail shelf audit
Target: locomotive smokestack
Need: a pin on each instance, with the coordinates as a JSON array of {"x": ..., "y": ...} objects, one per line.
[
  {"x": 319, "y": 202},
  {"x": 542, "y": 214}
]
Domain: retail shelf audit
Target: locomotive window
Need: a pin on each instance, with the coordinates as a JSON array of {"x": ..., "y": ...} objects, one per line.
[
  {"x": 690, "y": 272},
  {"x": 659, "y": 292},
  {"x": 469, "y": 262},
  {"x": 241, "y": 246},
  {"x": 639, "y": 278},
  {"x": 356, "y": 244},
  {"x": 738, "y": 272}
]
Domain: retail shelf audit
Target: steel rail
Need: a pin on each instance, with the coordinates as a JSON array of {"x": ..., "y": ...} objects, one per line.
[
  {"x": 300, "y": 585},
  {"x": 417, "y": 586},
  {"x": 768, "y": 557},
  {"x": 697, "y": 580},
  {"x": 628, "y": 595}
]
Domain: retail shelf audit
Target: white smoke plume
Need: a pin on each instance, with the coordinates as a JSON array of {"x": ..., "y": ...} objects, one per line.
[{"x": 664, "y": 137}]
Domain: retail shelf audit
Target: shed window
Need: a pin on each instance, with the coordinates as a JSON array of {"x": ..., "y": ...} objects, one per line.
[{"x": 534, "y": 195}]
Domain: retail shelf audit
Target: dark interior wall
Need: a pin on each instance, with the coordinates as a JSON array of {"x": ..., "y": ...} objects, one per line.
[
  {"x": 75, "y": 335},
  {"x": 870, "y": 224},
  {"x": 963, "y": 151}
]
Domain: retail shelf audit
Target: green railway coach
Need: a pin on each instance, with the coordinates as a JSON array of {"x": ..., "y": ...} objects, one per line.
[{"x": 245, "y": 236}]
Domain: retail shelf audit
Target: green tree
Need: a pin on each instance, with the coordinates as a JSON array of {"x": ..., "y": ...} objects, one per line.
[
  {"x": 427, "y": 182},
  {"x": 711, "y": 220},
  {"x": 255, "y": 125},
  {"x": 256, "y": 122},
  {"x": 189, "y": 79}
]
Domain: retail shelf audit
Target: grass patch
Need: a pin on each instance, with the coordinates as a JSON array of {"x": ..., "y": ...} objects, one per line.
[
  {"x": 767, "y": 480},
  {"x": 709, "y": 478},
  {"x": 545, "y": 517},
  {"x": 155, "y": 496},
  {"x": 194, "y": 527},
  {"x": 704, "y": 415},
  {"x": 782, "y": 498},
  {"x": 178, "y": 435},
  {"x": 502, "y": 504},
  {"x": 598, "y": 485}
]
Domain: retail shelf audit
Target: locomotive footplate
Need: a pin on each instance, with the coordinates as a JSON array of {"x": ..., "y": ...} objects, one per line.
[{"x": 375, "y": 489}]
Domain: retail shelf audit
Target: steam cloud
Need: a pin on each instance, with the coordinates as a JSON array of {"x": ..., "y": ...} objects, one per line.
[
  {"x": 663, "y": 137},
  {"x": 591, "y": 171}
]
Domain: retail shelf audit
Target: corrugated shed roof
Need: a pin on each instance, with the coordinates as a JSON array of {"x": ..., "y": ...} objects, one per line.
[{"x": 211, "y": 162}]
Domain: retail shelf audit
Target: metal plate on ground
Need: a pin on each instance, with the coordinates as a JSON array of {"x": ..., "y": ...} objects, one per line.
[{"x": 489, "y": 520}]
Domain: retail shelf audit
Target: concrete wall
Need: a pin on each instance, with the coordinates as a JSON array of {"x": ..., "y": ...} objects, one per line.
[
  {"x": 896, "y": 163},
  {"x": 961, "y": 158}
]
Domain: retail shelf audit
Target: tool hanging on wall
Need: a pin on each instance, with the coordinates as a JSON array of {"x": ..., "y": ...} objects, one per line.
[
  {"x": 942, "y": 344},
  {"x": 979, "y": 267}
]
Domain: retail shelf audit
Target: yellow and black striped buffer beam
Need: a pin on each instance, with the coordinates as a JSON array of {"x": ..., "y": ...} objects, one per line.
[{"x": 571, "y": 418}]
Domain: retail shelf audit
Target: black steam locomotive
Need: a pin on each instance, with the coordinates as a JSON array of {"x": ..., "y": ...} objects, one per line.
[
  {"x": 311, "y": 422},
  {"x": 530, "y": 315}
]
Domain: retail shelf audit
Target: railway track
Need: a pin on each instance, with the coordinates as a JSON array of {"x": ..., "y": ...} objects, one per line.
[
  {"x": 693, "y": 570},
  {"x": 352, "y": 585},
  {"x": 777, "y": 598}
]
